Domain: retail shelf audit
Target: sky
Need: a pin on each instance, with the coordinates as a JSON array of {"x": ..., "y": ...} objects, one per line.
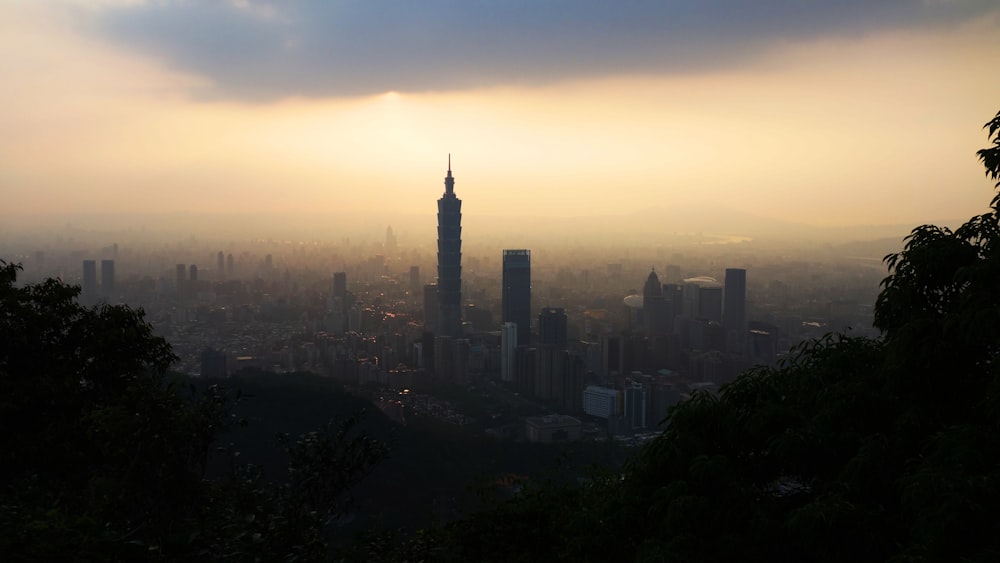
[{"x": 827, "y": 113}]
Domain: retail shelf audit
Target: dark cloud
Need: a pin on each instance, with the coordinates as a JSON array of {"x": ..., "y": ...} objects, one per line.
[{"x": 265, "y": 50}]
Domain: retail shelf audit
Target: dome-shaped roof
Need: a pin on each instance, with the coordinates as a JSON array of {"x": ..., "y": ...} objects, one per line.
[{"x": 703, "y": 281}]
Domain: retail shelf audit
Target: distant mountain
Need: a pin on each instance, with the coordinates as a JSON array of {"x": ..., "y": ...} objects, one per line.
[{"x": 687, "y": 223}]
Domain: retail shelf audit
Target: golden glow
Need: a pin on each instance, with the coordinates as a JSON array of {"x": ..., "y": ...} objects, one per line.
[{"x": 880, "y": 129}]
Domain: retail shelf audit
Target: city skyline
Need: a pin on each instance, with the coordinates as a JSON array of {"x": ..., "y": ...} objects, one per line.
[{"x": 841, "y": 115}]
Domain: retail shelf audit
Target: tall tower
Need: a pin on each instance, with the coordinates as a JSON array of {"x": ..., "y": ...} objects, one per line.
[
  {"x": 734, "y": 307},
  {"x": 516, "y": 297},
  {"x": 655, "y": 309},
  {"x": 552, "y": 328},
  {"x": 449, "y": 287},
  {"x": 107, "y": 279}
]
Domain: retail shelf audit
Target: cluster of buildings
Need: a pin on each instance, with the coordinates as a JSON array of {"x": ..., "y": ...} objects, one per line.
[
  {"x": 629, "y": 379},
  {"x": 619, "y": 364}
]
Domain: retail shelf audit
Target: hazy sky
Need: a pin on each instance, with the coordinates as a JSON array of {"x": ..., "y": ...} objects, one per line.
[{"x": 848, "y": 112}]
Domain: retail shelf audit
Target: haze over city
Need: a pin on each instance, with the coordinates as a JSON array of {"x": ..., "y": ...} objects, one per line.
[
  {"x": 133, "y": 113},
  {"x": 503, "y": 280}
]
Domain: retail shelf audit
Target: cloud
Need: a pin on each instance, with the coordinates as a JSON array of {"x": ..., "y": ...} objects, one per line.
[{"x": 260, "y": 50}]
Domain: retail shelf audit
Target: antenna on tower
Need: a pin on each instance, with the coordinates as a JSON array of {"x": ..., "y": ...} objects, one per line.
[{"x": 449, "y": 162}]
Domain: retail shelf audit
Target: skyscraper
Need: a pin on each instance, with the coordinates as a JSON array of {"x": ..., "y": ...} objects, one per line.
[
  {"x": 390, "y": 238},
  {"x": 340, "y": 285},
  {"x": 415, "y": 279},
  {"x": 734, "y": 309},
  {"x": 449, "y": 287},
  {"x": 552, "y": 327},
  {"x": 655, "y": 308},
  {"x": 181, "y": 276},
  {"x": 516, "y": 297},
  {"x": 710, "y": 303},
  {"x": 337, "y": 309},
  {"x": 221, "y": 264},
  {"x": 107, "y": 279},
  {"x": 508, "y": 345}
]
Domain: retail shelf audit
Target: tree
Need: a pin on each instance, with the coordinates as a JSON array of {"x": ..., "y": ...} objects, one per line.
[{"x": 104, "y": 453}]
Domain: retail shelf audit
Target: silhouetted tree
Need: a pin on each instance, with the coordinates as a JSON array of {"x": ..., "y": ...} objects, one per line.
[{"x": 102, "y": 454}]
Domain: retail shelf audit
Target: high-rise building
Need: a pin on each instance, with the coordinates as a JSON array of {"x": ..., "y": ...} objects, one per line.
[
  {"x": 636, "y": 399},
  {"x": 193, "y": 273},
  {"x": 88, "y": 292},
  {"x": 552, "y": 328},
  {"x": 508, "y": 345},
  {"x": 340, "y": 285},
  {"x": 710, "y": 303},
  {"x": 181, "y": 276},
  {"x": 229, "y": 264},
  {"x": 220, "y": 259},
  {"x": 600, "y": 401},
  {"x": 107, "y": 279},
  {"x": 734, "y": 307},
  {"x": 414, "y": 279},
  {"x": 390, "y": 238},
  {"x": 655, "y": 308},
  {"x": 516, "y": 297},
  {"x": 449, "y": 287}
]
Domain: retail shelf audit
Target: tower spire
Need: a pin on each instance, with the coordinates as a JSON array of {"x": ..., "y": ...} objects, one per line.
[{"x": 449, "y": 182}]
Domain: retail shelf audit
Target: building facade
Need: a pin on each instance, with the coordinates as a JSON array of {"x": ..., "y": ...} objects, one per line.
[
  {"x": 516, "y": 296},
  {"x": 449, "y": 255},
  {"x": 108, "y": 280},
  {"x": 734, "y": 308}
]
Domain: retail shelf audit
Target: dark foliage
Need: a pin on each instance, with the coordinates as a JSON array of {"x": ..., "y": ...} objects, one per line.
[{"x": 103, "y": 453}]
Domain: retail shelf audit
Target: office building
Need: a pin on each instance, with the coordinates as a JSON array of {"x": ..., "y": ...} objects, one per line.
[
  {"x": 107, "y": 279},
  {"x": 600, "y": 401},
  {"x": 524, "y": 368},
  {"x": 552, "y": 328},
  {"x": 181, "y": 276},
  {"x": 516, "y": 293},
  {"x": 655, "y": 308},
  {"x": 449, "y": 257},
  {"x": 220, "y": 265},
  {"x": 508, "y": 346},
  {"x": 636, "y": 399},
  {"x": 390, "y": 239},
  {"x": 193, "y": 274},
  {"x": 414, "y": 279},
  {"x": 734, "y": 307},
  {"x": 340, "y": 285},
  {"x": 710, "y": 303}
]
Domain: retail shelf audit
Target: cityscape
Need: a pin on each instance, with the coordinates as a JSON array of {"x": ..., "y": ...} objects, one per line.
[
  {"x": 499, "y": 281},
  {"x": 601, "y": 349}
]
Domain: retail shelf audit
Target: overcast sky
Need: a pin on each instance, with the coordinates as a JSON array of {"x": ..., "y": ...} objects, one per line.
[
  {"x": 266, "y": 50},
  {"x": 824, "y": 112}
]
